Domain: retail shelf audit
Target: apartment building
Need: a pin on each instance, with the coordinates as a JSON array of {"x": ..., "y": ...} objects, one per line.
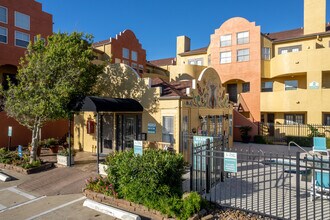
[
  {"x": 20, "y": 23},
  {"x": 280, "y": 78}
]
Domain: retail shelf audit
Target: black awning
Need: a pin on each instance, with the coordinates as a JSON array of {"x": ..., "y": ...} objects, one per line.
[{"x": 100, "y": 104}]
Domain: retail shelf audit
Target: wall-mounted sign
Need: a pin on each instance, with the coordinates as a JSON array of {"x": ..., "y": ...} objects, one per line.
[
  {"x": 151, "y": 128},
  {"x": 138, "y": 149},
  {"x": 10, "y": 131},
  {"x": 20, "y": 151},
  {"x": 314, "y": 85},
  {"x": 90, "y": 126},
  {"x": 230, "y": 162}
]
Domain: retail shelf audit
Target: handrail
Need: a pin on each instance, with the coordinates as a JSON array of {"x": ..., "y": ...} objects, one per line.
[{"x": 292, "y": 142}]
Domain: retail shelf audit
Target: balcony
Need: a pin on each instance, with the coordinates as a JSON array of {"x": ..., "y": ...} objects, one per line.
[
  {"x": 295, "y": 100},
  {"x": 298, "y": 62}
]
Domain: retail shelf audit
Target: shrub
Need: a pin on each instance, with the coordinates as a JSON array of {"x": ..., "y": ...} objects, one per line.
[
  {"x": 153, "y": 179},
  {"x": 11, "y": 157},
  {"x": 301, "y": 141},
  {"x": 259, "y": 139}
]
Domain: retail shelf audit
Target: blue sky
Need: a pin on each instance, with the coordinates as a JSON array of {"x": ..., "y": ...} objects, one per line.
[{"x": 158, "y": 23}]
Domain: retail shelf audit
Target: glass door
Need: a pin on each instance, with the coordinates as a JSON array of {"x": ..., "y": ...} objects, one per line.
[{"x": 129, "y": 131}]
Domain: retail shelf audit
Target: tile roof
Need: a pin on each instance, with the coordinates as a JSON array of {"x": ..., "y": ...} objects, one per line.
[
  {"x": 164, "y": 62},
  {"x": 291, "y": 34},
  {"x": 171, "y": 89},
  {"x": 196, "y": 51}
]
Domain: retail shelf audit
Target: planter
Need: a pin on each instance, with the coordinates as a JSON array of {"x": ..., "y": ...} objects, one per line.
[
  {"x": 246, "y": 139},
  {"x": 102, "y": 169},
  {"x": 54, "y": 149},
  {"x": 18, "y": 169},
  {"x": 64, "y": 160}
]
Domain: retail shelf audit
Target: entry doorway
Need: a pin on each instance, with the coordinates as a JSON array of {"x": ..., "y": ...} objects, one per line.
[
  {"x": 232, "y": 91},
  {"x": 270, "y": 122}
]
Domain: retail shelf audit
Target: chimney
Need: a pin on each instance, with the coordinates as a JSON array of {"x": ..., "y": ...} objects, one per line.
[
  {"x": 314, "y": 16},
  {"x": 182, "y": 44}
]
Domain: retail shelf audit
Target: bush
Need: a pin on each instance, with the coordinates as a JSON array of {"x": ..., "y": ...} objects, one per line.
[
  {"x": 301, "y": 141},
  {"x": 11, "y": 157},
  {"x": 259, "y": 139},
  {"x": 153, "y": 179}
]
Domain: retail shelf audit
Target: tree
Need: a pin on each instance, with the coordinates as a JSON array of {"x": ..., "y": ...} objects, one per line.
[{"x": 50, "y": 75}]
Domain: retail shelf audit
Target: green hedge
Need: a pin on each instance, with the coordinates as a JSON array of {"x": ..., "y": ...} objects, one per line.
[
  {"x": 304, "y": 141},
  {"x": 154, "y": 180}
]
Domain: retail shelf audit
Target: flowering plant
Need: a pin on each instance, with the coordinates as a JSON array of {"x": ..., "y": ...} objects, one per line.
[{"x": 101, "y": 185}]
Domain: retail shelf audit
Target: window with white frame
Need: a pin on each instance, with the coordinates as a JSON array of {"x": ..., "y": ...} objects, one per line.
[
  {"x": 246, "y": 87},
  {"x": 284, "y": 50},
  {"x": 243, "y": 37},
  {"x": 21, "y": 39},
  {"x": 141, "y": 68},
  {"x": 225, "y": 40},
  {"x": 38, "y": 37},
  {"x": 291, "y": 84},
  {"x": 291, "y": 119},
  {"x": 265, "y": 53},
  {"x": 126, "y": 53},
  {"x": 3, "y": 35},
  {"x": 126, "y": 62},
  {"x": 135, "y": 66},
  {"x": 3, "y": 15},
  {"x": 196, "y": 61},
  {"x": 22, "y": 20},
  {"x": 243, "y": 55},
  {"x": 168, "y": 129},
  {"x": 225, "y": 57},
  {"x": 134, "y": 55}
]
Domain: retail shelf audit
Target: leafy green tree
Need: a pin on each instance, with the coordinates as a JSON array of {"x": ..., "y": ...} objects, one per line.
[{"x": 50, "y": 75}]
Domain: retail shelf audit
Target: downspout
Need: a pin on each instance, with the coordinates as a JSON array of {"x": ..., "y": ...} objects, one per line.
[{"x": 180, "y": 119}]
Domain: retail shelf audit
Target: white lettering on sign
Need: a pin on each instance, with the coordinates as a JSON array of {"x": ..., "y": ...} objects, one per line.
[{"x": 231, "y": 155}]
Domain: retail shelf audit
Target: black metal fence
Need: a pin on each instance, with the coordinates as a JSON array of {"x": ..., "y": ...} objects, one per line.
[
  {"x": 271, "y": 185},
  {"x": 277, "y": 133}
]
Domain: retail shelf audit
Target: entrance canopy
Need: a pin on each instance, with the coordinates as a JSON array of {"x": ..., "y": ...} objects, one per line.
[{"x": 100, "y": 104}]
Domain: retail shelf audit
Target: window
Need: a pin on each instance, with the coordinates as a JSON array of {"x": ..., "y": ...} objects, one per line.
[
  {"x": 225, "y": 57},
  {"x": 3, "y": 35},
  {"x": 117, "y": 60},
  {"x": 284, "y": 50},
  {"x": 197, "y": 61},
  {"x": 225, "y": 40},
  {"x": 141, "y": 68},
  {"x": 243, "y": 55},
  {"x": 168, "y": 129},
  {"x": 291, "y": 84},
  {"x": 21, "y": 39},
  {"x": 246, "y": 87},
  {"x": 135, "y": 66},
  {"x": 266, "y": 86},
  {"x": 291, "y": 119},
  {"x": 3, "y": 15},
  {"x": 22, "y": 20},
  {"x": 209, "y": 60},
  {"x": 126, "y": 53},
  {"x": 326, "y": 119},
  {"x": 134, "y": 55},
  {"x": 126, "y": 62},
  {"x": 243, "y": 37},
  {"x": 265, "y": 53}
]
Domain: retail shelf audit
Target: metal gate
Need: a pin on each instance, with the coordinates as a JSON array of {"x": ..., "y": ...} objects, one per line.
[{"x": 270, "y": 185}]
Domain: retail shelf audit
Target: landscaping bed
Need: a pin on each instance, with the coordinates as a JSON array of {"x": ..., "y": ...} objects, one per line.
[{"x": 19, "y": 169}]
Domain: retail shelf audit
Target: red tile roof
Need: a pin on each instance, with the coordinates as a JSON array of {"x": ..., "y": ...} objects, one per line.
[
  {"x": 171, "y": 89},
  {"x": 196, "y": 51},
  {"x": 164, "y": 62}
]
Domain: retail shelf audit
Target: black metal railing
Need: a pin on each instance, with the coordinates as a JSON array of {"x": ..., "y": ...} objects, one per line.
[{"x": 271, "y": 185}]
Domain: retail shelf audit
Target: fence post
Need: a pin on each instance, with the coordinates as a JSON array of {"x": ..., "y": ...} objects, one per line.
[
  {"x": 298, "y": 185},
  {"x": 222, "y": 175},
  {"x": 207, "y": 161},
  {"x": 192, "y": 166}
]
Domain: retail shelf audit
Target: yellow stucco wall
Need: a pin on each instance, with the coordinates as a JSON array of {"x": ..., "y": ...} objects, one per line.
[{"x": 82, "y": 140}]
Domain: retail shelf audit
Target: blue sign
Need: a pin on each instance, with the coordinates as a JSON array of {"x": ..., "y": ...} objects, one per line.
[
  {"x": 230, "y": 162},
  {"x": 10, "y": 131},
  {"x": 20, "y": 151},
  {"x": 151, "y": 128},
  {"x": 200, "y": 146},
  {"x": 138, "y": 148}
]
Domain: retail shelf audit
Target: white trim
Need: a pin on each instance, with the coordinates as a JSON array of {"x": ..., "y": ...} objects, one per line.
[
  {"x": 2, "y": 207},
  {"x": 20, "y": 39},
  {"x": 6, "y": 15},
  {"x": 54, "y": 209},
  {"x": 19, "y": 192},
  {"x": 15, "y": 22}
]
